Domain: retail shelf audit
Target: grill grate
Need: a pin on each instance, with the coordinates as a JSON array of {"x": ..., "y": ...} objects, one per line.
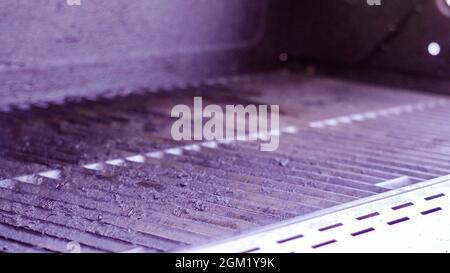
[{"x": 105, "y": 174}]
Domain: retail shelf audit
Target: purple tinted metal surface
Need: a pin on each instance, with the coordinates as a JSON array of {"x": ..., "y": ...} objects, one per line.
[{"x": 51, "y": 50}]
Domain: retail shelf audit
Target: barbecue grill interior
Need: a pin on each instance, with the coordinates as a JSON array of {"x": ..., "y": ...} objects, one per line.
[{"x": 86, "y": 153}]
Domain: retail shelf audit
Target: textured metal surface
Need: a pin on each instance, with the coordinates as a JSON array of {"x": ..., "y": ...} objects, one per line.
[
  {"x": 106, "y": 175},
  {"x": 411, "y": 219},
  {"x": 52, "y": 51}
]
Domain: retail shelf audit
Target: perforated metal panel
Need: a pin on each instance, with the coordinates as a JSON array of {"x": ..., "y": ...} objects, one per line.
[{"x": 411, "y": 219}]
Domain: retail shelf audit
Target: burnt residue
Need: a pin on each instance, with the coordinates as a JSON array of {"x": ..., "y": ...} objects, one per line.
[{"x": 199, "y": 196}]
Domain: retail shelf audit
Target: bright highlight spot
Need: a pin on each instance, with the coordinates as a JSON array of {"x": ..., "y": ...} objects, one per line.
[{"x": 434, "y": 48}]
